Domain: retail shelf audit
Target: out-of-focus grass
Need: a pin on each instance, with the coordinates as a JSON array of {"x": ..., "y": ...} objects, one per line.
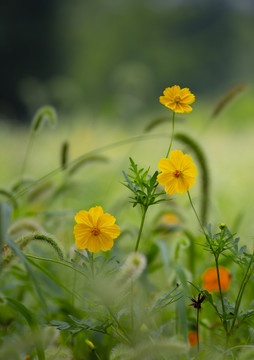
[{"x": 227, "y": 142}]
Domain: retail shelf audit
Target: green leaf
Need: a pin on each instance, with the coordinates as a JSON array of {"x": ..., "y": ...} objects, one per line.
[
  {"x": 19, "y": 253},
  {"x": 165, "y": 300},
  {"x": 61, "y": 325},
  {"x": 32, "y": 322}
]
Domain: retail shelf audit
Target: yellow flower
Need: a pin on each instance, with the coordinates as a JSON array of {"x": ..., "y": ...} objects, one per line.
[
  {"x": 177, "y": 99},
  {"x": 95, "y": 230},
  {"x": 178, "y": 173}
]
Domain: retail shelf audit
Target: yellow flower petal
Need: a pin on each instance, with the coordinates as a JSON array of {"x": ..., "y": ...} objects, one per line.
[
  {"x": 171, "y": 187},
  {"x": 166, "y": 165},
  {"x": 94, "y": 244},
  {"x": 181, "y": 186},
  {"x": 176, "y": 157},
  {"x": 164, "y": 178},
  {"x": 113, "y": 231},
  {"x": 82, "y": 218},
  {"x": 106, "y": 241},
  {"x": 106, "y": 220},
  {"x": 94, "y": 214},
  {"x": 82, "y": 234}
]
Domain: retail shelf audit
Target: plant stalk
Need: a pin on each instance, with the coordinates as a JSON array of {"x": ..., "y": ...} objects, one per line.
[
  {"x": 198, "y": 329},
  {"x": 144, "y": 210},
  {"x": 241, "y": 291},
  {"x": 172, "y": 134},
  {"x": 221, "y": 296}
]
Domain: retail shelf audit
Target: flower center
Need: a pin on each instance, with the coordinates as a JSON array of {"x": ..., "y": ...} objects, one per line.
[
  {"x": 177, "y": 173},
  {"x": 177, "y": 99},
  {"x": 95, "y": 231}
]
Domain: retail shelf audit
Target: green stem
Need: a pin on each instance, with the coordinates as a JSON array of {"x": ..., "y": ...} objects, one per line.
[
  {"x": 240, "y": 293},
  {"x": 172, "y": 134},
  {"x": 144, "y": 210},
  {"x": 200, "y": 223},
  {"x": 126, "y": 336},
  {"x": 221, "y": 296},
  {"x": 92, "y": 267},
  {"x": 198, "y": 330},
  {"x": 132, "y": 308},
  {"x": 29, "y": 144},
  {"x": 97, "y": 355},
  {"x": 55, "y": 261}
]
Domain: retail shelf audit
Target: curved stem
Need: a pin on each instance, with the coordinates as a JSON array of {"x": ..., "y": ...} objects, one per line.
[
  {"x": 29, "y": 145},
  {"x": 172, "y": 134},
  {"x": 97, "y": 355},
  {"x": 55, "y": 261},
  {"x": 221, "y": 296},
  {"x": 126, "y": 336},
  {"x": 240, "y": 293},
  {"x": 144, "y": 210},
  {"x": 92, "y": 267},
  {"x": 199, "y": 221},
  {"x": 114, "y": 145}
]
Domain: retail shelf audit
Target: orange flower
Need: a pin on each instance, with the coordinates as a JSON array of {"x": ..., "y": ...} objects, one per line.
[
  {"x": 210, "y": 280},
  {"x": 192, "y": 338}
]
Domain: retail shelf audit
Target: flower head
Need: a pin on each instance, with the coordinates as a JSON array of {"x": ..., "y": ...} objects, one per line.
[
  {"x": 178, "y": 173},
  {"x": 177, "y": 99},
  {"x": 95, "y": 230},
  {"x": 210, "y": 279}
]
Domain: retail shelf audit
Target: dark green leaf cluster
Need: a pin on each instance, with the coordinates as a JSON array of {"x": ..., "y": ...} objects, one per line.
[
  {"x": 166, "y": 300},
  {"x": 142, "y": 185},
  {"x": 220, "y": 242},
  {"x": 104, "y": 264}
]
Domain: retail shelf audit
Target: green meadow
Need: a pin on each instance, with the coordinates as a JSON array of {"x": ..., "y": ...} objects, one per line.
[{"x": 146, "y": 297}]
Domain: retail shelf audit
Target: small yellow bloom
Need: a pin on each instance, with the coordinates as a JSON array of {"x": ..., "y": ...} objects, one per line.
[
  {"x": 178, "y": 173},
  {"x": 177, "y": 99},
  {"x": 95, "y": 230}
]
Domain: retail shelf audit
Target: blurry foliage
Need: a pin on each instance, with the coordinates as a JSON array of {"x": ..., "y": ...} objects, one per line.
[{"x": 115, "y": 56}]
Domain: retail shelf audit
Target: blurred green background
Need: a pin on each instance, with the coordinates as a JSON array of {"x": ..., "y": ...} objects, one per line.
[
  {"x": 103, "y": 66},
  {"x": 116, "y": 57}
]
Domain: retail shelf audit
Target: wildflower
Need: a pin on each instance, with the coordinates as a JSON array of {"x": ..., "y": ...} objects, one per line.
[
  {"x": 95, "y": 230},
  {"x": 170, "y": 219},
  {"x": 210, "y": 279},
  {"x": 196, "y": 303},
  {"x": 192, "y": 338},
  {"x": 177, "y": 99},
  {"x": 178, "y": 172}
]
